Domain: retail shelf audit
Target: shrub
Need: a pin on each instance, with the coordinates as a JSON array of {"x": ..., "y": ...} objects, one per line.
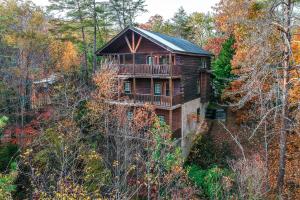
[
  {"x": 8, "y": 153},
  {"x": 215, "y": 183},
  {"x": 7, "y": 183},
  {"x": 206, "y": 154}
]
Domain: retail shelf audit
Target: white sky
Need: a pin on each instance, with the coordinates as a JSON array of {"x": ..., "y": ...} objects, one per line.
[{"x": 166, "y": 8}]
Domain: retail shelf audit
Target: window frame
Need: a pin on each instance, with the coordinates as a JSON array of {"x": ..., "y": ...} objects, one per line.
[
  {"x": 129, "y": 87},
  {"x": 160, "y": 89}
]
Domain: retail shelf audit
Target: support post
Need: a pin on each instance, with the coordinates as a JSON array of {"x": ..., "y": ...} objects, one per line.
[
  {"x": 171, "y": 91},
  {"x": 134, "y": 89},
  {"x": 171, "y": 119},
  {"x": 152, "y": 90},
  {"x": 119, "y": 87},
  {"x": 170, "y": 65}
]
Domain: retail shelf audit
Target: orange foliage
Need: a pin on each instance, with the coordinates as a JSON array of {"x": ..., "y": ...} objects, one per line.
[
  {"x": 64, "y": 55},
  {"x": 295, "y": 73},
  {"x": 292, "y": 189},
  {"x": 214, "y": 45}
]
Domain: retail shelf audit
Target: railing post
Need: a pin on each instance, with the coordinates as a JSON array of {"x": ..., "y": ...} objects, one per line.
[
  {"x": 152, "y": 60},
  {"x": 170, "y": 65},
  {"x": 133, "y": 62}
]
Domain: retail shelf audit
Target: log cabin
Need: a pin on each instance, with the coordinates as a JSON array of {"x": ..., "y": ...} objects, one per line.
[{"x": 170, "y": 73}]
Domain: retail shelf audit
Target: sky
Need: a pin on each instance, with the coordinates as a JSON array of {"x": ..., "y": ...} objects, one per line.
[{"x": 166, "y": 8}]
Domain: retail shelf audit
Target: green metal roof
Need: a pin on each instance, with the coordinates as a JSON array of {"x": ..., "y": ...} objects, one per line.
[{"x": 174, "y": 43}]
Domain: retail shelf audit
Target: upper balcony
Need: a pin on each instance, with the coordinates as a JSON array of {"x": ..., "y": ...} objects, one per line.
[{"x": 144, "y": 65}]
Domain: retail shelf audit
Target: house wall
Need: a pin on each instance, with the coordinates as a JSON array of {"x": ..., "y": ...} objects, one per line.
[
  {"x": 143, "y": 85},
  {"x": 176, "y": 117},
  {"x": 189, "y": 124},
  {"x": 191, "y": 68}
]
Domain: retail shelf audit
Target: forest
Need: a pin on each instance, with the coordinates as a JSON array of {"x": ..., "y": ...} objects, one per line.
[{"x": 60, "y": 139}]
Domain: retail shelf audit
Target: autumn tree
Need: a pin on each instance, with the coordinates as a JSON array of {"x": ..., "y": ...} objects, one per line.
[
  {"x": 77, "y": 12},
  {"x": 201, "y": 28},
  {"x": 157, "y": 23},
  {"x": 263, "y": 63}
]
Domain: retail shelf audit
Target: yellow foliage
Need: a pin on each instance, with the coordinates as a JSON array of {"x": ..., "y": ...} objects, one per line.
[{"x": 64, "y": 55}]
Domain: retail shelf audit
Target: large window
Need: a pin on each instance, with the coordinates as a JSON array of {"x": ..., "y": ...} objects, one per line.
[
  {"x": 157, "y": 89},
  {"x": 127, "y": 87}
]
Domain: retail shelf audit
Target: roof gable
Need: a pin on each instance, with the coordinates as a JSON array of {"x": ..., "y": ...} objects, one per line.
[{"x": 172, "y": 44}]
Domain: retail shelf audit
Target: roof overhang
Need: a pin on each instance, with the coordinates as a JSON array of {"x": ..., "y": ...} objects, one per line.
[{"x": 141, "y": 33}]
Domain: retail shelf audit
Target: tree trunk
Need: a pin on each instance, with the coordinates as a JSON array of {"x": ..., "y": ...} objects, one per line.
[
  {"x": 285, "y": 95},
  {"x": 85, "y": 63},
  {"x": 95, "y": 39}
]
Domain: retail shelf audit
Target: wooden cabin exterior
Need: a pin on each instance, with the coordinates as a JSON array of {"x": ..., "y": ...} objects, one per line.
[{"x": 168, "y": 72}]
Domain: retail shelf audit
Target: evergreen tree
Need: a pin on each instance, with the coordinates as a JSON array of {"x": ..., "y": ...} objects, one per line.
[
  {"x": 222, "y": 66},
  {"x": 126, "y": 11},
  {"x": 180, "y": 23}
]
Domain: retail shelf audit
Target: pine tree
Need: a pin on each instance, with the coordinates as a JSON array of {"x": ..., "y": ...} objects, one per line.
[
  {"x": 222, "y": 66},
  {"x": 126, "y": 11},
  {"x": 180, "y": 23}
]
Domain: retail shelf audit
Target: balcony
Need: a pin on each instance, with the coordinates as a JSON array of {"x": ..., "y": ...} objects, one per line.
[
  {"x": 146, "y": 70},
  {"x": 160, "y": 101}
]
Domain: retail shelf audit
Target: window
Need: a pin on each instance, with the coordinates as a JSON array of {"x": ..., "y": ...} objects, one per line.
[
  {"x": 203, "y": 63},
  {"x": 127, "y": 87},
  {"x": 198, "y": 114},
  {"x": 163, "y": 60},
  {"x": 167, "y": 89},
  {"x": 161, "y": 118},
  {"x": 149, "y": 60},
  {"x": 129, "y": 115},
  {"x": 157, "y": 89},
  {"x": 198, "y": 86}
]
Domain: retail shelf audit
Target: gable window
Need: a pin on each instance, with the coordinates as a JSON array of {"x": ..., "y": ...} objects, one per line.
[
  {"x": 149, "y": 60},
  {"x": 157, "y": 89},
  {"x": 127, "y": 87}
]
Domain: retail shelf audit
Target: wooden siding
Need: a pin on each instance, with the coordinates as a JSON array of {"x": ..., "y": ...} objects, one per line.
[
  {"x": 176, "y": 117},
  {"x": 190, "y": 68},
  {"x": 145, "y": 46}
]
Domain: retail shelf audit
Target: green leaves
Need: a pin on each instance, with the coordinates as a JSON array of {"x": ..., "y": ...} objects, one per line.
[
  {"x": 211, "y": 181},
  {"x": 222, "y": 66},
  {"x": 124, "y": 12},
  {"x": 3, "y": 121}
]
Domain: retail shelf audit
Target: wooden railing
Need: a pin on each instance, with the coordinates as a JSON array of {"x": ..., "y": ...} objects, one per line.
[
  {"x": 145, "y": 69},
  {"x": 158, "y": 100}
]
